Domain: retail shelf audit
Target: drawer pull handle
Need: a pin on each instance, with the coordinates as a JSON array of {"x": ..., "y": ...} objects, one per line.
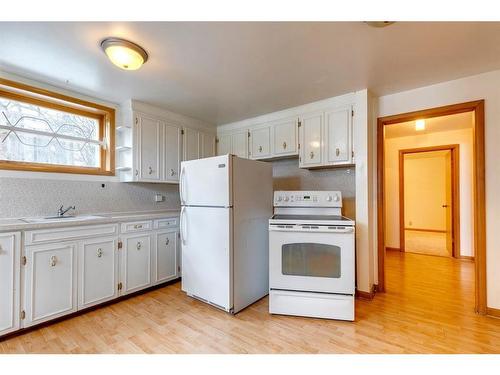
[
  {"x": 99, "y": 253},
  {"x": 53, "y": 261},
  {"x": 137, "y": 172},
  {"x": 337, "y": 151},
  {"x": 260, "y": 148},
  {"x": 172, "y": 172},
  {"x": 150, "y": 170},
  {"x": 167, "y": 242},
  {"x": 312, "y": 155},
  {"x": 139, "y": 245},
  {"x": 138, "y": 226},
  {"x": 284, "y": 145}
]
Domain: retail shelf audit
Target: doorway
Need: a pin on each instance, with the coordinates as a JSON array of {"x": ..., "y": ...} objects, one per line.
[
  {"x": 429, "y": 218},
  {"x": 476, "y": 108}
]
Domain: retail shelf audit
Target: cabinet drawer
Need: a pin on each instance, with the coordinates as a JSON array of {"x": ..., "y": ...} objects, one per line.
[
  {"x": 166, "y": 223},
  {"x": 71, "y": 233},
  {"x": 137, "y": 226}
]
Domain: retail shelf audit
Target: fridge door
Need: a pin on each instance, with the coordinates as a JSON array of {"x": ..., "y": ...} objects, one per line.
[
  {"x": 206, "y": 241},
  {"x": 206, "y": 182}
]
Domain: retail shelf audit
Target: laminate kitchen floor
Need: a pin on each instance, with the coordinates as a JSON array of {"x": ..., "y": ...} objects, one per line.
[{"x": 428, "y": 308}]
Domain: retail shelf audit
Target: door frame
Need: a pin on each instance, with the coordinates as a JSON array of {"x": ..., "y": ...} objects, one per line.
[
  {"x": 455, "y": 193},
  {"x": 479, "y": 214}
]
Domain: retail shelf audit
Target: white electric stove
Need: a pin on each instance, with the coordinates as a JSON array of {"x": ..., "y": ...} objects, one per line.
[{"x": 311, "y": 256}]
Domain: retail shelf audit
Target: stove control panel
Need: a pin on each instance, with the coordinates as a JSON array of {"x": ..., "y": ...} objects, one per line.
[{"x": 285, "y": 198}]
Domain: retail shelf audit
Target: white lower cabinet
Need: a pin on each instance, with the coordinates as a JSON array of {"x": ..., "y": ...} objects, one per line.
[
  {"x": 136, "y": 262},
  {"x": 62, "y": 270},
  {"x": 97, "y": 271},
  {"x": 165, "y": 256},
  {"x": 10, "y": 272},
  {"x": 50, "y": 279}
]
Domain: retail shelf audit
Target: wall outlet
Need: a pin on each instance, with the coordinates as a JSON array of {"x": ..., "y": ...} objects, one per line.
[{"x": 159, "y": 198}]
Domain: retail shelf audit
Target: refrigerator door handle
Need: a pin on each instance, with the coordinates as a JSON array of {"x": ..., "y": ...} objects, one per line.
[
  {"x": 181, "y": 186},
  {"x": 181, "y": 226}
]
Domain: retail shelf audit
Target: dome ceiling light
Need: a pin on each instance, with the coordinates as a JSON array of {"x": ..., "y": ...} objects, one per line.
[{"x": 124, "y": 54}]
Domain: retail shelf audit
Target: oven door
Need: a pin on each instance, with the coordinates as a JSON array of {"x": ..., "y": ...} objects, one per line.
[{"x": 311, "y": 258}]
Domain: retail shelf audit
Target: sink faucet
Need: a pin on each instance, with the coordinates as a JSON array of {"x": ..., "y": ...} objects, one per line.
[{"x": 61, "y": 211}]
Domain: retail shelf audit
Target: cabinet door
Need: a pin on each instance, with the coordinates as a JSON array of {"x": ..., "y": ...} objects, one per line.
[
  {"x": 149, "y": 148},
  {"x": 49, "y": 282},
  {"x": 97, "y": 271},
  {"x": 165, "y": 257},
  {"x": 310, "y": 140},
  {"x": 208, "y": 145},
  {"x": 10, "y": 269},
  {"x": 285, "y": 138},
  {"x": 224, "y": 144},
  {"x": 191, "y": 144},
  {"x": 338, "y": 136},
  {"x": 239, "y": 144},
  {"x": 136, "y": 263},
  {"x": 260, "y": 142},
  {"x": 172, "y": 152}
]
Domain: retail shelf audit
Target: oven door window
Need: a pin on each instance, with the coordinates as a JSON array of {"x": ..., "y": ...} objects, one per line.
[{"x": 310, "y": 259}]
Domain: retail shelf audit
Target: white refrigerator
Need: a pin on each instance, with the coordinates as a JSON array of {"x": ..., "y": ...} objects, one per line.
[{"x": 226, "y": 204}]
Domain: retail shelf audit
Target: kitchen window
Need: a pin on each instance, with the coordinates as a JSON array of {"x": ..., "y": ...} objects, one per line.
[{"x": 48, "y": 132}]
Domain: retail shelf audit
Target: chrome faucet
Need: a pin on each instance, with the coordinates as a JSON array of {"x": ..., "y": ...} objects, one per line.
[{"x": 61, "y": 211}]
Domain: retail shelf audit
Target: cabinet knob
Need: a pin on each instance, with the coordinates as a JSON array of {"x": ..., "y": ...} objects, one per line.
[
  {"x": 139, "y": 245},
  {"x": 138, "y": 226},
  {"x": 260, "y": 148},
  {"x": 172, "y": 172},
  {"x": 284, "y": 145},
  {"x": 312, "y": 154},
  {"x": 53, "y": 261},
  {"x": 150, "y": 170},
  {"x": 167, "y": 242},
  {"x": 99, "y": 253},
  {"x": 137, "y": 172}
]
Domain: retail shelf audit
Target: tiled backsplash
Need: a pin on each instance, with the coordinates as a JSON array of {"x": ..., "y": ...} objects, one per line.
[
  {"x": 288, "y": 176},
  {"x": 24, "y": 197}
]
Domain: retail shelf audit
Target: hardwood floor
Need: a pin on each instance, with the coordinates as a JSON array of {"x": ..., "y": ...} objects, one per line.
[{"x": 428, "y": 308}]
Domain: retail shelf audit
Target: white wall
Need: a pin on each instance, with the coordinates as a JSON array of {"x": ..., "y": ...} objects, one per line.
[
  {"x": 463, "y": 137},
  {"x": 484, "y": 86}
]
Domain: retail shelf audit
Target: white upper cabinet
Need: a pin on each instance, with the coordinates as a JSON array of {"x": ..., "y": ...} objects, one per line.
[
  {"x": 172, "y": 153},
  {"x": 260, "y": 142},
  {"x": 191, "y": 144},
  {"x": 285, "y": 137},
  {"x": 10, "y": 253},
  {"x": 149, "y": 143},
  {"x": 239, "y": 144},
  {"x": 224, "y": 144},
  {"x": 338, "y": 136},
  {"x": 207, "y": 145},
  {"x": 311, "y": 129}
]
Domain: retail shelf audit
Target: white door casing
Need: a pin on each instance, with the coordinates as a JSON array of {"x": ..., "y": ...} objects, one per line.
[{"x": 10, "y": 270}]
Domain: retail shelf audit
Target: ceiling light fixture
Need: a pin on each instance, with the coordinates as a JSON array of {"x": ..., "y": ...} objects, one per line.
[
  {"x": 124, "y": 54},
  {"x": 379, "y": 24},
  {"x": 420, "y": 125}
]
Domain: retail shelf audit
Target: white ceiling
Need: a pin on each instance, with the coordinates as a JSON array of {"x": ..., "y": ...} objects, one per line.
[
  {"x": 432, "y": 125},
  {"x": 223, "y": 72}
]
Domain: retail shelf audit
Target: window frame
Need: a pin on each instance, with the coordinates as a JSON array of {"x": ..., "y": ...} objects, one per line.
[{"x": 52, "y": 100}]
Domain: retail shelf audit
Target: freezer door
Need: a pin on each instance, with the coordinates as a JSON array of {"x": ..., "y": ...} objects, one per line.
[
  {"x": 206, "y": 182},
  {"x": 206, "y": 240}
]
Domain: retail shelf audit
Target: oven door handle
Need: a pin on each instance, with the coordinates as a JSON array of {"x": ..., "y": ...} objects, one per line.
[{"x": 310, "y": 228}]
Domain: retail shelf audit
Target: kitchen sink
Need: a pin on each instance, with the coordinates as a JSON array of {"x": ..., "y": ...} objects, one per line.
[{"x": 55, "y": 219}]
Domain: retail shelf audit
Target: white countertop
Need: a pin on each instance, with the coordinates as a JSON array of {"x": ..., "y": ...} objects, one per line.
[{"x": 16, "y": 224}]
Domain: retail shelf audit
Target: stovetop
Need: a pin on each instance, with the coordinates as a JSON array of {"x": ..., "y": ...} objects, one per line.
[{"x": 310, "y": 219}]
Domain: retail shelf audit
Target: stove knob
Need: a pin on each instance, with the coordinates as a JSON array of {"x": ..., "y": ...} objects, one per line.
[
  {"x": 329, "y": 198},
  {"x": 336, "y": 198},
  {"x": 286, "y": 199},
  {"x": 279, "y": 199}
]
